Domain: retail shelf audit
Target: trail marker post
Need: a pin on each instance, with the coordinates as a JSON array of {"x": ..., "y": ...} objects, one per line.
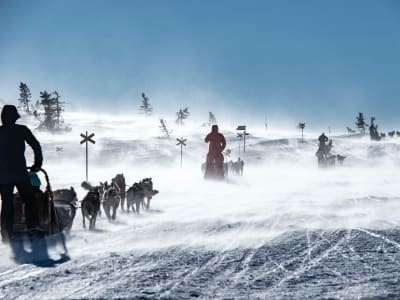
[
  {"x": 228, "y": 153},
  {"x": 243, "y": 127},
  {"x": 301, "y": 126},
  {"x": 181, "y": 142},
  {"x": 85, "y": 139},
  {"x": 240, "y": 136},
  {"x": 59, "y": 150}
]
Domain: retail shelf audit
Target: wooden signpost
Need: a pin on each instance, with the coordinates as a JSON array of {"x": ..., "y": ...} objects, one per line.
[
  {"x": 59, "y": 150},
  {"x": 181, "y": 142},
  {"x": 243, "y": 127},
  {"x": 240, "y": 136},
  {"x": 85, "y": 139}
]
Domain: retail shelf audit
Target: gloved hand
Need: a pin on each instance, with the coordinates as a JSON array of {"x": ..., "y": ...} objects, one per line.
[{"x": 35, "y": 168}]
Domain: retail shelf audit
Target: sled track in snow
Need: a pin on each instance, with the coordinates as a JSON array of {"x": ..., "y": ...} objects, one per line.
[{"x": 314, "y": 264}]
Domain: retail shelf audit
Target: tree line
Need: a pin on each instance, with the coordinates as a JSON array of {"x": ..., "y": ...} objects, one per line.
[
  {"x": 47, "y": 109},
  {"x": 182, "y": 114}
]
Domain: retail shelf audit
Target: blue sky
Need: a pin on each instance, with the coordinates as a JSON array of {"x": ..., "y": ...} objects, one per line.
[{"x": 317, "y": 61}]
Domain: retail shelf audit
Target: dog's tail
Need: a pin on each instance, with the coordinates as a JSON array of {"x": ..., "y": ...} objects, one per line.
[{"x": 87, "y": 186}]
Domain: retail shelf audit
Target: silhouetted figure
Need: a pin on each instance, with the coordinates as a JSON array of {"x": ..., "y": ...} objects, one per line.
[
  {"x": 215, "y": 159},
  {"x": 324, "y": 156},
  {"x": 322, "y": 149},
  {"x": 322, "y": 140},
  {"x": 13, "y": 172}
]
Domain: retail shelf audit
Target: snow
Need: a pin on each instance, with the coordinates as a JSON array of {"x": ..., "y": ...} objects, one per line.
[{"x": 286, "y": 229}]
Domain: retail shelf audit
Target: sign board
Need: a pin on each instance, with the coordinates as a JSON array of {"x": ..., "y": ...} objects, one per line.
[
  {"x": 181, "y": 141},
  {"x": 87, "y": 138}
]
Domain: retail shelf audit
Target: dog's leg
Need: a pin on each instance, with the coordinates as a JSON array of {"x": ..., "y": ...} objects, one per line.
[
  {"x": 94, "y": 220},
  {"x": 106, "y": 210},
  {"x": 138, "y": 206},
  {"x": 83, "y": 218},
  {"x": 109, "y": 212},
  {"x": 148, "y": 202},
  {"x": 114, "y": 215}
]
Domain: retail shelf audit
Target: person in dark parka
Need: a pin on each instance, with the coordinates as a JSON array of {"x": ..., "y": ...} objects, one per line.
[
  {"x": 215, "y": 159},
  {"x": 13, "y": 171}
]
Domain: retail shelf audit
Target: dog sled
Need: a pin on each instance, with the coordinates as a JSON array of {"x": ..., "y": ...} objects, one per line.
[{"x": 54, "y": 218}]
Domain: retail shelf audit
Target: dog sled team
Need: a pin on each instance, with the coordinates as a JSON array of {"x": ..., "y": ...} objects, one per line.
[
  {"x": 34, "y": 216},
  {"x": 234, "y": 168},
  {"x": 111, "y": 196},
  {"x": 324, "y": 155}
]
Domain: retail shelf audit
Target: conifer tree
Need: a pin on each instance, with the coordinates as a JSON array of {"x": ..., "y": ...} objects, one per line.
[
  {"x": 211, "y": 119},
  {"x": 50, "y": 110},
  {"x": 164, "y": 129},
  {"x": 182, "y": 114},
  {"x": 145, "y": 108},
  {"x": 59, "y": 108},
  {"x": 24, "y": 97},
  {"x": 361, "y": 122}
]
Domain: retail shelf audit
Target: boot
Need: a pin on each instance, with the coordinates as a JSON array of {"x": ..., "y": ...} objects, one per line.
[
  {"x": 17, "y": 246},
  {"x": 38, "y": 244}
]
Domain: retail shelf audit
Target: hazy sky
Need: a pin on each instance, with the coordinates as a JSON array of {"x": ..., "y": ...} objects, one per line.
[{"x": 317, "y": 61}]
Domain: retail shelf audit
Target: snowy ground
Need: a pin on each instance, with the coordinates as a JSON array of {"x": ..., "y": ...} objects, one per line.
[{"x": 284, "y": 230}]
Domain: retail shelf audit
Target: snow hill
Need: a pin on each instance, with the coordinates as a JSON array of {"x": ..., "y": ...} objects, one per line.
[{"x": 286, "y": 229}]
